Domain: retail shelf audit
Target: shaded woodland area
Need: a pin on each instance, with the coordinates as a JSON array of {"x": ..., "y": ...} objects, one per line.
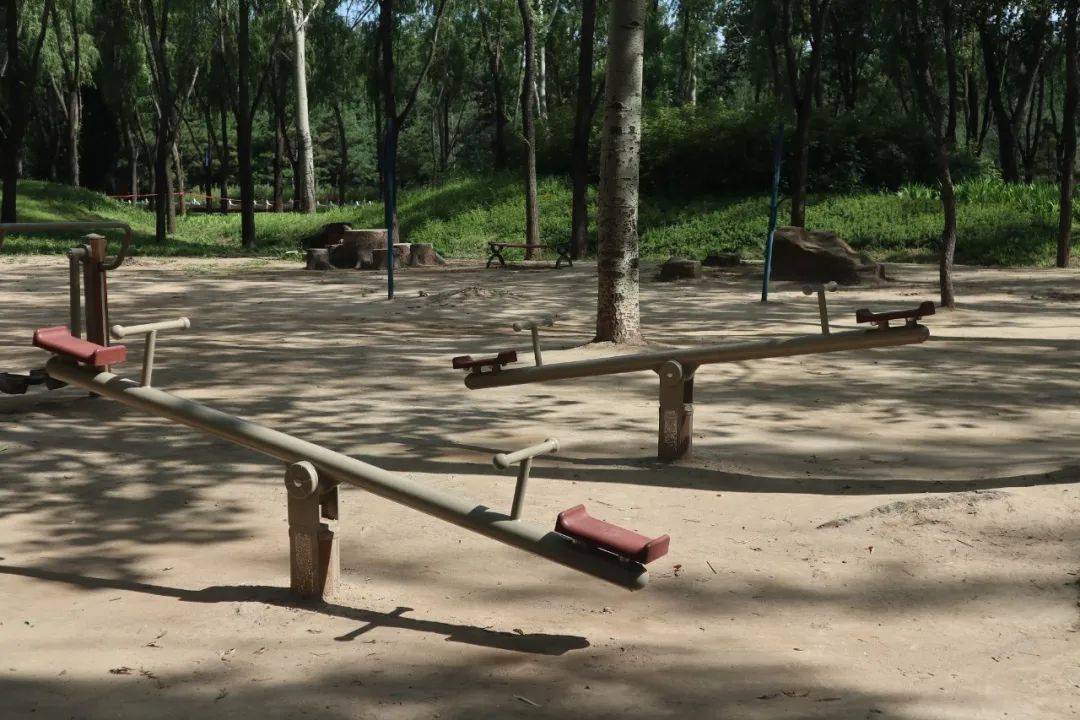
[{"x": 298, "y": 103}]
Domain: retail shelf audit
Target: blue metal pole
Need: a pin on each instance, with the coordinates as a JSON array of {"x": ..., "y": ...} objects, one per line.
[
  {"x": 390, "y": 201},
  {"x": 774, "y": 208}
]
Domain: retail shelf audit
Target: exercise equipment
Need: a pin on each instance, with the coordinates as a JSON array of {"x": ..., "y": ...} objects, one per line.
[
  {"x": 576, "y": 522},
  {"x": 677, "y": 368},
  {"x": 313, "y": 473},
  {"x": 88, "y": 267}
]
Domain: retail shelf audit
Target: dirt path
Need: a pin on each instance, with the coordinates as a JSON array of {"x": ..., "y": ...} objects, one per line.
[{"x": 811, "y": 575}]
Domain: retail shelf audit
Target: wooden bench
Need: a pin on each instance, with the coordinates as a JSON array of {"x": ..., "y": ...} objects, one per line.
[{"x": 563, "y": 250}]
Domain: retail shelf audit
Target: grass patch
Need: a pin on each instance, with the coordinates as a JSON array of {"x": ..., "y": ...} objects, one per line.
[{"x": 999, "y": 224}]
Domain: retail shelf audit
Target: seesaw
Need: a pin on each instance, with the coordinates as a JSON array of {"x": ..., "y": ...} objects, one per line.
[
  {"x": 313, "y": 474},
  {"x": 677, "y": 368},
  {"x": 88, "y": 267}
]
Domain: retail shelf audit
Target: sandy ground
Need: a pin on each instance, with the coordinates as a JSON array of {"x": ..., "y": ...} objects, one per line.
[{"x": 142, "y": 565}]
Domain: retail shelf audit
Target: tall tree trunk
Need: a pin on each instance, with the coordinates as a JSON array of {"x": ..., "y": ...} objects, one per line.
[
  {"x": 919, "y": 58},
  {"x": 390, "y": 133},
  {"x": 343, "y": 153},
  {"x": 16, "y": 75},
  {"x": 950, "y": 69},
  {"x": 528, "y": 127},
  {"x": 800, "y": 164},
  {"x": 579, "y": 221},
  {"x": 971, "y": 124},
  {"x": 306, "y": 160},
  {"x": 133, "y": 162},
  {"x": 1068, "y": 121},
  {"x": 618, "y": 314},
  {"x": 74, "y": 104},
  {"x": 179, "y": 200},
  {"x": 687, "y": 57},
  {"x": 495, "y": 66},
  {"x": 164, "y": 224},
  {"x": 223, "y": 170},
  {"x": 243, "y": 128},
  {"x": 279, "y": 151}
]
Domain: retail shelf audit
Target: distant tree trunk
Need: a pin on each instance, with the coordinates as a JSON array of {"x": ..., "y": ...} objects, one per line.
[
  {"x": 687, "y": 57},
  {"x": 579, "y": 222},
  {"x": 16, "y": 116},
  {"x": 306, "y": 163},
  {"x": 74, "y": 128},
  {"x": 917, "y": 48},
  {"x": 343, "y": 153},
  {"x": 801, "y": 90},
  {"x": 1068, "y": 121},
  {"x": 243, "y": 127},
  {"x": 528, "y": 127},
  {"x": 165, "y": 215},
  {"x": 133, "y": 161},
  {"x": 618, "y": 315},
  {"x": 223, "y": 170},
  {"x": 279, "y": 180},
  {"x": 179, "y": 200},
  {"x": 971, "y": 123},
  {"x": 950, "y": 69},
  {"x": 493, "y": 49}
]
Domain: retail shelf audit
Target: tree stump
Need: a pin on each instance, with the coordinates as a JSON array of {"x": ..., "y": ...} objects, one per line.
[
  {"x": 401, "y": 256},
  {"x": 423, "y": 254},
  {"x": 361, "y": 243},
  {"x": 722, "y": 259},
  {"x": 318, "y": 259},
  {"x": 679, "y": 269}
]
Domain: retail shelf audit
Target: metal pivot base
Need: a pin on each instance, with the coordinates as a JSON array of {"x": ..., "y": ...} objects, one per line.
[
  {"x": 676, "y": 436},
  {"x": 314, "y": 554}
]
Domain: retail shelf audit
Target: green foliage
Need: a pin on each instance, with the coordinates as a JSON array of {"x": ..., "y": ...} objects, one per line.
[{"x": 999, "y": 224}]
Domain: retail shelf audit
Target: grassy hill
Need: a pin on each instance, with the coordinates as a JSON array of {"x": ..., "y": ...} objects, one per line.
[{"x": 998, "y": 224}]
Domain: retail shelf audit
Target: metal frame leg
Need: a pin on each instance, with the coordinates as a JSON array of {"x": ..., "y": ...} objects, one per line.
[
  {"x": 314, "y": 553},
  {"x": 675, "y": 439}
]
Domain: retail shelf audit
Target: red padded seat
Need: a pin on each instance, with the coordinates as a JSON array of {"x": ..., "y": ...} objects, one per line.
[
  {"x": 577, "y": 524},
  {"x": 60, "y": 341}
]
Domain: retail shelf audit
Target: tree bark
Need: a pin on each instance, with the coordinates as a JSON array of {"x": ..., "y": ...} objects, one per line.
[
  {"x": 306, "y": 164},
  {"x": 1068, "y": 120},
  {"x": 179, "y": 200},
  {"x": 618, "y": 314},
  {"x": 279, "y": 151},
  {"x": 223, "y": 169},
  {"x": 583, "y": 115},
  {"x": 17, "y": 74},
  {"x": 801, "y": 91},
  {"x": 917, "y": 48},
  {"x": 243, "y": 127},
  {"x": 528, "y": 128},
  {"x": 343, "y": 153}
]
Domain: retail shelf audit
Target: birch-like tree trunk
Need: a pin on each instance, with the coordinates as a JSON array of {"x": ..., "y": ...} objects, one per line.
[
  {"x": 618, "y": 316},
  {"x": 306, "y": 163},
  {"x": 583, "y": 114},
  {"x": 528, "y": 128},
  {"x": 1068, "y": 142}
]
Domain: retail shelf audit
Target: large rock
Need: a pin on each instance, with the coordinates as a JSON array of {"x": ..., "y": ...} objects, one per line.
[{"x": 820, "y": 256}]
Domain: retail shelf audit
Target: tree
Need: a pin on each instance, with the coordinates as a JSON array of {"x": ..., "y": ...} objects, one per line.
[
  {"x": 797, "y": 31},
  {"x": 74, "y": 60},
  {"x": 583, "y": 116},
  {"x": 245, "y": 106},
  {"x": 1068, "y": 121},
  {"x": 19, "y": 71},
  {"x": 175, "y": 49},
  {"x": 1006, "y": 30},
  {"x": 491, "y": 29},
  {"x": 618, "y": 316},
  {"x": 917, "y": 32},
  {"x": 395, "y": 120},
  {"x": 299, "y": 13},
  {"x": 528, "y": 128}
]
